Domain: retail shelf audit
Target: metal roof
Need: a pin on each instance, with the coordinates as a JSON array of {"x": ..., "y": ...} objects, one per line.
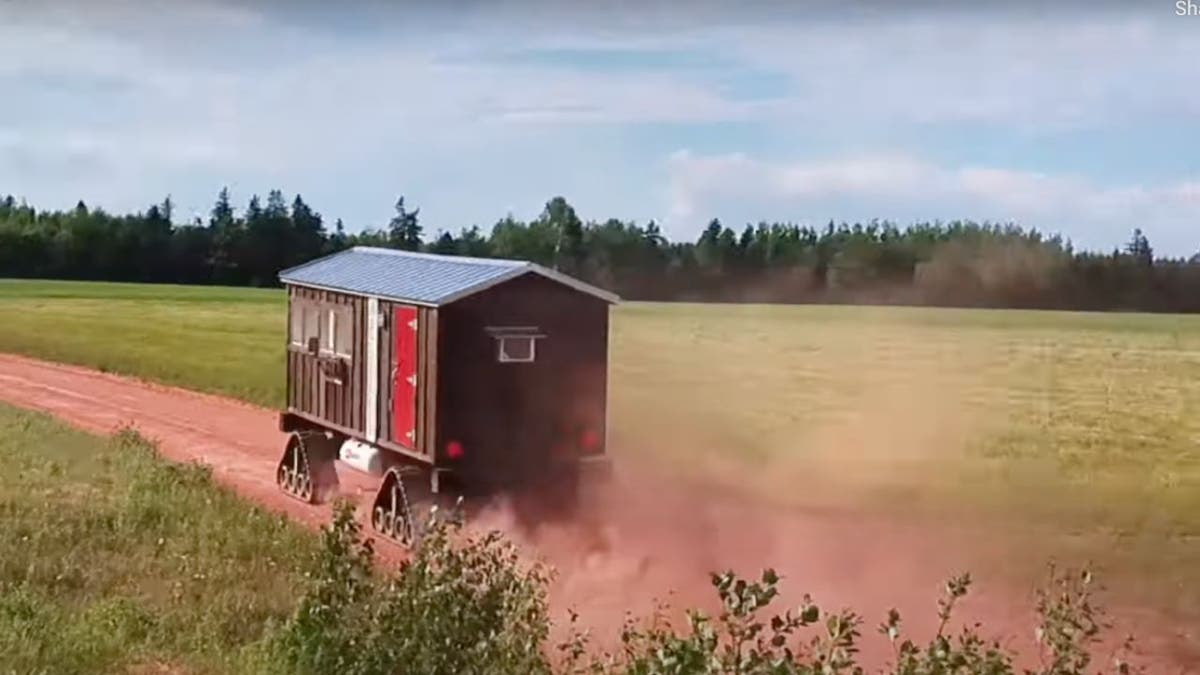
[{"x": 420, "y": 278}]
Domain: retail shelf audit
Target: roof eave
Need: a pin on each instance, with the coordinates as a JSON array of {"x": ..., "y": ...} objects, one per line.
[
  {"x": 361, "y": 294},
  {"x": 516, "y": 271},
  {"x": 296, "y": 268},
  {"x": 583, "y": 287},
  {"x": 482, "y": 286},
  {"x": 533, "y": 268}
]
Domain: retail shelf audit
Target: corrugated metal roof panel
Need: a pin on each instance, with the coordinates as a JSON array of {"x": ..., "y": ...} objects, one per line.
[{"x": 422, "y": 278}]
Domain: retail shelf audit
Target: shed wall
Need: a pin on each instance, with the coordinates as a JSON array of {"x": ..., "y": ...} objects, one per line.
[
  {"x": 342, "y": 406},
  {"x": 512, "y": 416},
  {"x": 311, "y": 391}
]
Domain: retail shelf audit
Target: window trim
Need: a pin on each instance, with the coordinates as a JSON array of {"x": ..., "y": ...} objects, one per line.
[
  {"x": 503, "y": 333},
  {"x": 502, "y": 354},
  {"x": 335, "y": 316},
  {"x": 296, "y": 315},
  {"x": 302, "y": 310}
]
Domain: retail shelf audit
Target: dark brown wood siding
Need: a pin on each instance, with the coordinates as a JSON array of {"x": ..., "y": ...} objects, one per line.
[
  {"x": 429, "y": 395},
  {"x": 387, "y": 364},
  {"x": 511, "y": 417},
  {"x": 309, "y": 389}
]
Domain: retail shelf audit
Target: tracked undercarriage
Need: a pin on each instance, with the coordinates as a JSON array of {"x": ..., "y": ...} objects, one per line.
[{"x": 408, "y": 498}]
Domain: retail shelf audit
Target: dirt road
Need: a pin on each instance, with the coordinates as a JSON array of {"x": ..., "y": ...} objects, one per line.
[{"x": 665, "y": 537}]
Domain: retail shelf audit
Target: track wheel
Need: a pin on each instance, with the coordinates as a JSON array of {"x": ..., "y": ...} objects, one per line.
[
  {"x": 306, "y": 466},
  {"x": 391, "y": 512}
]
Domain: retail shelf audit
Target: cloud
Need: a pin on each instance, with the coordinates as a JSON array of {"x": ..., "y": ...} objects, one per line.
[
  {"x": 492, "y": 104},
  {"x": 907, "y": 188}
]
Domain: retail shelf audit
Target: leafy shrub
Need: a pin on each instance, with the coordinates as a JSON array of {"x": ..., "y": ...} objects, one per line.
[
  {"x": 454, "y": 607},
  {"x": 471, "y": 607},
  {"x": 741, "y": 641}
]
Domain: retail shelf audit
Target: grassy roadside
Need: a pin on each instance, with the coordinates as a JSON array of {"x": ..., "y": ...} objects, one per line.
[
  {"x": 112, "y": 560},
  {"x": 216, "y": 340}
]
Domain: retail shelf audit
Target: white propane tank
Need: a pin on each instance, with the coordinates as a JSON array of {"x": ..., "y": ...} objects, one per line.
[{"x": 361, "y": 457}]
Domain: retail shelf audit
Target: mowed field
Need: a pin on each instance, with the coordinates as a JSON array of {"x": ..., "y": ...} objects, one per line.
[{"x": 1076, "y": 435}]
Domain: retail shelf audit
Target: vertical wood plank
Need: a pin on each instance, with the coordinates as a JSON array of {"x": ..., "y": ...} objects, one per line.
[
  {"x": 357, "y": 357},
  {"x": 343, "y": 391},
  {"x": 387, "y": 361},
  {"x": 370, "y": 361},
  {"x": 431, "y": 384}
]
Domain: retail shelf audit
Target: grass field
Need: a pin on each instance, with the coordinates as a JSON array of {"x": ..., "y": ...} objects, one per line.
[
  {"x": 1083, "y": 425},
  {"x": 112, "y": 560}
]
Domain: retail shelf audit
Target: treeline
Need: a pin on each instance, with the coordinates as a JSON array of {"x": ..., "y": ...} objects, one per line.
[{"x": 959, "y": 263}]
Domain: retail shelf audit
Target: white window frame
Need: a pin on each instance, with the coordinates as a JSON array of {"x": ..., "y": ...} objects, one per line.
[
  {"x": 501, "y": 334},
  {"x": 296, "y": 315},
  {"x": 502, "y": 354},
  {"x": 330, "y": 330},
  {"x": 302, "y": 311},
  {"x": 312, "y": 313},
  {"x": 329, "y": 345}
]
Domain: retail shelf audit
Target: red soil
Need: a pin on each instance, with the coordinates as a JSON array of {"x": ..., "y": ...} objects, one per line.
[{"x": 660, "y": 536}]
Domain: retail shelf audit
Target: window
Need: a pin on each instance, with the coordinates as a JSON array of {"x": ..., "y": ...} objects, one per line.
[
  {"x": 345, "y": 333},
  {"x": 304, "y": 324},
  {"x": 516, "y": 344},
  {"x": 296, "y": 326},
  {"x": 332, "y": 326},
  {"x": 312, "y": 324},
  {"x": 337, "y": 331},
  {"x": 517, "y": 349}
]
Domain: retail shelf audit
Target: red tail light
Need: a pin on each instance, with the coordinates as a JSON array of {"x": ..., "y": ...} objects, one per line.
[
  {"x": 454, "y": 450},
  {"x": 589, "y": 441}
]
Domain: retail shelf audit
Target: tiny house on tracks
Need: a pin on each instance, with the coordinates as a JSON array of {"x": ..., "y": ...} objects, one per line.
[{"x": 445, "y": 376}]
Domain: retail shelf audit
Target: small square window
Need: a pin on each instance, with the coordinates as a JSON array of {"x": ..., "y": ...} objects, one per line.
[
  {"x": 516, "y": 344},
  {"x": 516, "y": 349}
]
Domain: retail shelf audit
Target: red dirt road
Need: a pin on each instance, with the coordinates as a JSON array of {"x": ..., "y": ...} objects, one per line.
[{"x": 666, "y": 537}]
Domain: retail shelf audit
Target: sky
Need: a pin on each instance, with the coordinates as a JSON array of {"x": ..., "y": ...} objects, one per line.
[{"x": 1079, "y": 118}]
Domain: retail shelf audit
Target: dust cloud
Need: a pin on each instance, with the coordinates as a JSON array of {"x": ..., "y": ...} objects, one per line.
[
  {"x": 654, "y": 533},
  {"x": 842, "y": 505}
]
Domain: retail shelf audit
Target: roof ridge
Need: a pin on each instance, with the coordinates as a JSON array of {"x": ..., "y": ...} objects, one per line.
[
  {"x": 470, "y": 260},
  {"x": 425, "y": 278}
]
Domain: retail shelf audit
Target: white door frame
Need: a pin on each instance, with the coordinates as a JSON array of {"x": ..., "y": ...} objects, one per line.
[{"x": 372, "y": 393}]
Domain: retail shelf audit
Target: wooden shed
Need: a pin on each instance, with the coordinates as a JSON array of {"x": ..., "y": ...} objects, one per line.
[{"x": 485, "y": 371}]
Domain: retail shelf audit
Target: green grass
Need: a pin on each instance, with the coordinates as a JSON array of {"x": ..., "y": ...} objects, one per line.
[
  {"x": 1082, "y": 428},
  {"x": 113, "y": 560},
  {"x": 217, "y": 340}
]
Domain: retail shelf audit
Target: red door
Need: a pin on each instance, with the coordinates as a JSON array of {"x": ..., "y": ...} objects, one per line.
[{"x": 404, "y": 377}]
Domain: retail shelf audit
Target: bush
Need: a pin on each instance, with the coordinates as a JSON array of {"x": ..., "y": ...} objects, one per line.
[
  {"x": 469, "y": 606},
  {"x": 743, "y": 642},
  {"x": 455, "y": 607}
]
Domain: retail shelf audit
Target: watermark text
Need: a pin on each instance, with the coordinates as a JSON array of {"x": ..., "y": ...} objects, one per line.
[{"x": 1187, "y": 8}]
